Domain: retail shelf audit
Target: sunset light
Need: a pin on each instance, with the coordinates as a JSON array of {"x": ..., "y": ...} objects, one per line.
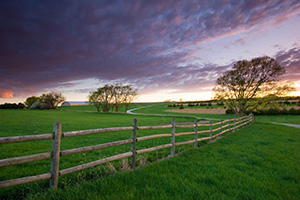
[{"x": 166, "y": 49}]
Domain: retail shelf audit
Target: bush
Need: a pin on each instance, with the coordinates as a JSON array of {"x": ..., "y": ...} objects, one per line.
[
  {"x": 181, "y": 106},
  {"x": 9, "y": 106},
  {"x": 21, "y": 106},
  {"x": 274, "y": 111}
]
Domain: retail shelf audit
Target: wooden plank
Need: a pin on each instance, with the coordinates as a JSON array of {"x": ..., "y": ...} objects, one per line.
[
  {"x": 184, "y": 133},
  {"x": 54, "y": 170},
  {"x": 226, "y": 126},
  {"x": 184, "y": 143},
  {"x": 29, "y": 179},
  {"x": 153, "y": 149},
  {"x": 203, "y": 125},
  {"x": 153, "y": 127},
  {"x": 133, "y": 144},
  {"x": 95, "y": 131},
  {"x": 24, "y": 159},
  {"x": 26, "y": 138},
  {"x": 95, "y": 147},
  {"x": 225, "y": 121},
  {"x": 173, "y": 138},
  {"x": 204, "y": 138},
  {"x": 185, "y": 126},
  {"x": 94, "y": 163},
  {"x": 152, "y": 137},
  {"x": 217, "y": 129},
  {"x": 205, "y": 131},
  {"x": 218, "y": 123}
]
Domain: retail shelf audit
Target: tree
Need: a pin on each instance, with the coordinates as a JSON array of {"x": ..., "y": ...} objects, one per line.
[
  {"x": 112, "y": 97},
  {"x": 129, "y": 95},
  {"x": 251, "y": 84},
  {"x": 102, "y": 98},
  {"x": 31, "y": 100},
  {"x": 52, "y": 99}
]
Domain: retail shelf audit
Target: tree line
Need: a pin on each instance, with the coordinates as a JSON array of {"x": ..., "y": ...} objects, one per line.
[
  {"x": 45, "y": 101},
  {"x": 110, "y": 97}
]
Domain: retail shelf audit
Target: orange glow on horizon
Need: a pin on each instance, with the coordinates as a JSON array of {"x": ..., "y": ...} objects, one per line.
[{"x": 6, "y": 94}]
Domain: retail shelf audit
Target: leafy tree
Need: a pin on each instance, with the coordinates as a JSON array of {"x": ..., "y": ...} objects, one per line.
[
  {"x": 112, "y": 97},
  {"x": 31, "y": 100},
  {"x": 52, "y": 99},
  {"x": 102, "y": 98},
  {"x": 129, "y": 95},
  {"x": 251, "y": 84}
]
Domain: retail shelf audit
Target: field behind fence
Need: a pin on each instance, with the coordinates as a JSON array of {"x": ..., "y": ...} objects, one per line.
[{"x": 209, "y": 131}]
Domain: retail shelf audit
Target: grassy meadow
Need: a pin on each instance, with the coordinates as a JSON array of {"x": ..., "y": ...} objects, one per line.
[{"x": 258, "y": 162}]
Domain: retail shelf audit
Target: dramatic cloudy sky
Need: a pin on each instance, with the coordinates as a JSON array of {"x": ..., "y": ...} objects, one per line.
[{"x": 168, "y": 49}]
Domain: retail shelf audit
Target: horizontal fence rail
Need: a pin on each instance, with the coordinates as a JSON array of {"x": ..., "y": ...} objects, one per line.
[{"x": 229, "y": 125}]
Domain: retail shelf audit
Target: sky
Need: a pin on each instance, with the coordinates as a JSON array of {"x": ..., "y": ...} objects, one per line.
[{"x": 167, "y": 49}]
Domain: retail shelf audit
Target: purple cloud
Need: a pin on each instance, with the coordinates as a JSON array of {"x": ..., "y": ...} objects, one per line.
[{"x": 44, "y": 44}]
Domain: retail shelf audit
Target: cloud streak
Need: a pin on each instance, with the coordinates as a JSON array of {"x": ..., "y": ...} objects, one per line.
[{"x": 44, "y": 45}]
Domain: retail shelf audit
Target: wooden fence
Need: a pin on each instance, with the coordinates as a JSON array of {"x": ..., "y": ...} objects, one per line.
[{"x": 229, "y": 125}]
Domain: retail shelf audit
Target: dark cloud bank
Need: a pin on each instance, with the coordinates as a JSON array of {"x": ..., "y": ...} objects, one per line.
[{"x": 44, "y": 44}]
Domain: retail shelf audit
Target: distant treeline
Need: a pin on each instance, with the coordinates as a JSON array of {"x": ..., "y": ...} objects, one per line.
[
  {"x": 12, "y": 106},
  {"x": 288, "y": 98}
]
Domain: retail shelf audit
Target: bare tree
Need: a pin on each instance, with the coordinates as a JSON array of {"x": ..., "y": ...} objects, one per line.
[{"x": 250, "y": 84}]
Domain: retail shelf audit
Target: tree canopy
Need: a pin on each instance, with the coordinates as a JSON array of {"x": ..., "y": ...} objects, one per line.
[
  {"x": 250, "y": 84},
  {"x": 112, "y": 97},
  {"x": 31, "y": 100},
  {"x": 52, "y": 99}
]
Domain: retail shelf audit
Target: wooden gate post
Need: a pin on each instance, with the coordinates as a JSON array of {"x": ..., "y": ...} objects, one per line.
[
  {"x": 133, "y": 144},
  {"x": 195, "y": 136},
  {"x": 173, "y": 138},
  {"x": 54, "y": 170}
]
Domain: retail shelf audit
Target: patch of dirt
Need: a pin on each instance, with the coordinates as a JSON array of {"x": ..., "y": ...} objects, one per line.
[{"x": 200, "y": 111}]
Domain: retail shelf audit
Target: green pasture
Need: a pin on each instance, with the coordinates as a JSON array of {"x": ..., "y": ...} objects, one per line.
[{"x": 242, "y": 165}]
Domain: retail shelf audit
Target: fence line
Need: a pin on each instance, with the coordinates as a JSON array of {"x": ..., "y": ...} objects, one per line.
[{"x": 53, "y": 175}]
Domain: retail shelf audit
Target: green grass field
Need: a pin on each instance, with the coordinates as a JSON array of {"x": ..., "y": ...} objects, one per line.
[{"x": 259, "y": 162}]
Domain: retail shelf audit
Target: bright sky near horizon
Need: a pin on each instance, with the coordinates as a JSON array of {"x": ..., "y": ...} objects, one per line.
[{"x": 167, "y": 49}]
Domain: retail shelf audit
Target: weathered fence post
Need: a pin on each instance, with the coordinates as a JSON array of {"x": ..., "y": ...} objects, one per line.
[
  {"x": 54, "y": 170},
  {"x": 210, "y": 128},
  {"x": 195, "y": 136},
  {"x": 173, "y": 138},
  {"x": 133, "y": 144}
]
